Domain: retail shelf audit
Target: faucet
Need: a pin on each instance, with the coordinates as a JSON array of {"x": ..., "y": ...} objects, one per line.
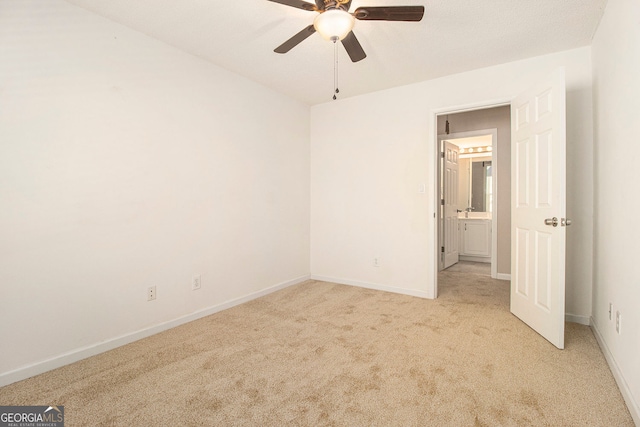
[{"x": 467, "y": 210}]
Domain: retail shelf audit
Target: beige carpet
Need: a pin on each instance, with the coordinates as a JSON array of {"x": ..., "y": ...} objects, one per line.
[
  {"x": 325, "y": 354},
  {"x": 483, "y": 268}
]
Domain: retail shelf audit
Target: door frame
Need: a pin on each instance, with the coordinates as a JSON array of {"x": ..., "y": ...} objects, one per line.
[
  {"x": 494, "y": 204},
  {"x": 435, "y": 167}
]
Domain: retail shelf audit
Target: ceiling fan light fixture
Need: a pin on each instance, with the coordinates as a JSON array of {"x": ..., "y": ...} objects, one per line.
[{"x": 334, "y": 24}]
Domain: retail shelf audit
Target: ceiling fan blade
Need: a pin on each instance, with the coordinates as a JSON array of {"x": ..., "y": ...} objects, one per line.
[
  {"x": 353, "y": 47},
  {"x": 295, "y": 40},
  {"x": 300, "y": 4},
  {"x": 320, "y": 4},
  {"x": 390, "y": 13}
]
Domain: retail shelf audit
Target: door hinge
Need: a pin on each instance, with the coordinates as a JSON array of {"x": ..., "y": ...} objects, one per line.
[
  {"x": 442, "y": 155},
  {"x": 442, "y": 202},
  {"x": 442, "y": 249}
]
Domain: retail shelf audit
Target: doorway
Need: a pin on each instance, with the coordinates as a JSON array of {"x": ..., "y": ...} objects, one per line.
[
  {"x": 468, "y": 198},
  {"x": 474, "y": 228},
  {"x": 537, "y": 209}
]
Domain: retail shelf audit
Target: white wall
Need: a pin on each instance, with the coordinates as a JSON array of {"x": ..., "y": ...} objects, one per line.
[
  {"x": 125, "y": 163},
  {"x": 616, "y": 67},
  {"x": 370, "y": 154}
]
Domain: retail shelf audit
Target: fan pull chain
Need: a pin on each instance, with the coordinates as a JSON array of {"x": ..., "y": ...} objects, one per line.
[{"x": 335, "y": 69}]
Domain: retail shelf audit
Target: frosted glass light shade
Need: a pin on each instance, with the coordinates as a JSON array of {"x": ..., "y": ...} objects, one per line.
[{"x": 334, "y": 23}]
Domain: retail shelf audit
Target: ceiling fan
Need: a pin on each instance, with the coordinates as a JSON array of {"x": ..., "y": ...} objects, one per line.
[{"x": 334, "y": 22}]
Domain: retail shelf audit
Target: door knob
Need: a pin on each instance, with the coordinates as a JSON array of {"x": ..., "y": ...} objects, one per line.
[
  {"x": 565, "y": 222},
  {"x": 551, "y": 221}
]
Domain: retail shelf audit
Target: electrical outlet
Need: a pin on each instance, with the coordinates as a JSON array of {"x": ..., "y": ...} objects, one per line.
[
  {"x": 151, "y": 293},
  {"x": 610, "y": 311},
  {"x": 618, "y": 322},
  {"x": 376, "y": 262},
  {"x": 196, "y": 282}
]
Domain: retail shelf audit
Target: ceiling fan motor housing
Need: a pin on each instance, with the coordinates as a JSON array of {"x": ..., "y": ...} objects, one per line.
[
  {"x": 337, "y": 4},
  {"x": 334, "y": 22}
]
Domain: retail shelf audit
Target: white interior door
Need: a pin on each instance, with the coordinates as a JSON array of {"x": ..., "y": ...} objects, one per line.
[
  {"x": 538, "y": 194},
  {"x": 451, "y": 178}
]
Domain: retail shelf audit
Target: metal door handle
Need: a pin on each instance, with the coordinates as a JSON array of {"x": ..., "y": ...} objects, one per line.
[
  {"x": 565, "y": 222},
  {"x": 551, "y": 221}
]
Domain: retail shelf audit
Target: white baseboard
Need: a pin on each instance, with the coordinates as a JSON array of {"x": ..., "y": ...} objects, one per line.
[
  {"x": 575, "y": 318},
  {"x": 634, "y": 407},
  {"x": 503, "y": 276},
  {"x": 485, "y": 259},
  {"x": 378, "y": 287},
  {"x": 91, "y": 350}
]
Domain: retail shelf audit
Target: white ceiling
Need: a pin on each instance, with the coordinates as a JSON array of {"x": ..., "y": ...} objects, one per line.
[{"x": 454, "y": 36}]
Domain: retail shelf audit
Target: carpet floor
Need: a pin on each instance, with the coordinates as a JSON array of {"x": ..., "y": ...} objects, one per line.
[
  {"x": 319, "y": 354},
  {"x": 483, "y": 268}
]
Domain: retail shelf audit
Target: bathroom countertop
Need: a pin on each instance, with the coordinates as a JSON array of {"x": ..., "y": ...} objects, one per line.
[{"x": 475, "y": 215}]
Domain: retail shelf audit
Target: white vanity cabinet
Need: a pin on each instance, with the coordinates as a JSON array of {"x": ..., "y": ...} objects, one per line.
[{"x": 475, "y": 239}]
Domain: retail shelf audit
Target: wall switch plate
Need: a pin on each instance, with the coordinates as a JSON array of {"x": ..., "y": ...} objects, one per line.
[
  {"x": 196, "y": 282},
  {"x": 376, "y": 262},
  {"x": 618, "y": 322},
  {"x": 151, "y": 293}
]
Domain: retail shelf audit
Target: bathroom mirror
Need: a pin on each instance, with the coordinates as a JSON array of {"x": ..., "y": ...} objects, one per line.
[
  {"x": 475, "y": 184},
  {"x": 481, "y": 185}
]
